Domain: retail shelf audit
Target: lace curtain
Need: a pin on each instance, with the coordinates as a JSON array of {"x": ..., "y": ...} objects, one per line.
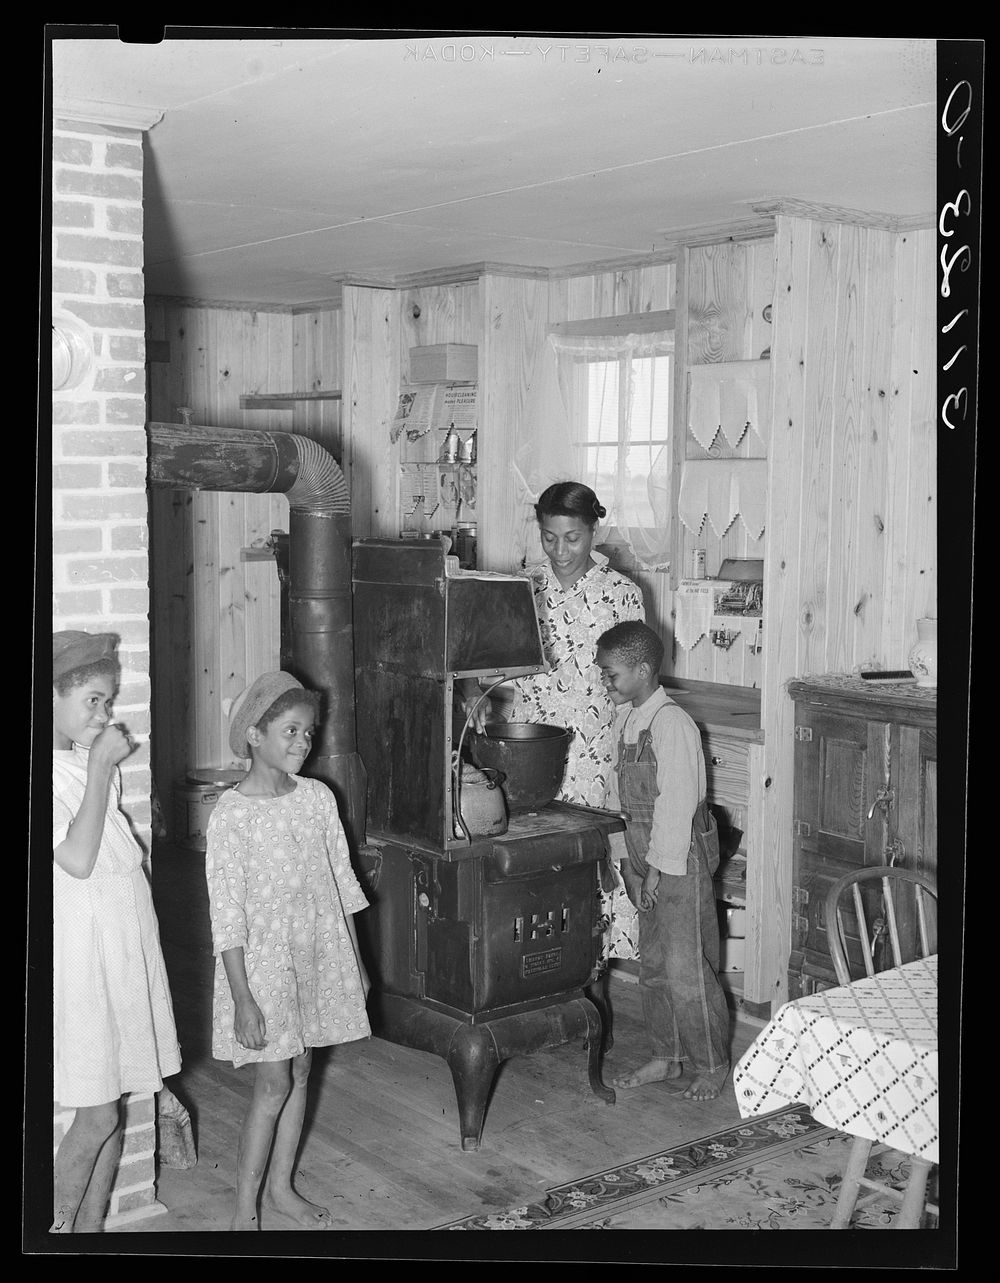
[{"x": 597, "y": 412}]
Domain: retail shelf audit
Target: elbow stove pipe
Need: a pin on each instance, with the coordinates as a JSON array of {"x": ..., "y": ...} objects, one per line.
[{"x": 194, "y": 457}]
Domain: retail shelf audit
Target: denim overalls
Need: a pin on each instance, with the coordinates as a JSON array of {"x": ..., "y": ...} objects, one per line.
[{"x": 683, "y": 1003}]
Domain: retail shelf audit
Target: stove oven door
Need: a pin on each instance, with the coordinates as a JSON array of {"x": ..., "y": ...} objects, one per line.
[{"x": 540, "y": 932}]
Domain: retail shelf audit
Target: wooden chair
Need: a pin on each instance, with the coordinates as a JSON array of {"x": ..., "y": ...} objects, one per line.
[{"x": 881, "y": 939}]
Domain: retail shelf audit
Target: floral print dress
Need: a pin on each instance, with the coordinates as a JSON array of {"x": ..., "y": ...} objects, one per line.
[
  {"x": 280, "y": 884},
  {"x": 571, "y": 694}
]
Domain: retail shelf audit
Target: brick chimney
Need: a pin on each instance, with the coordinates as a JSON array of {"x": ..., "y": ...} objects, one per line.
[{"x": 100, "y": 529}]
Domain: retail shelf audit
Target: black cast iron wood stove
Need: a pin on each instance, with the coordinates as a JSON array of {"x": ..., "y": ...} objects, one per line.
[{"x": 480, "y": 950}]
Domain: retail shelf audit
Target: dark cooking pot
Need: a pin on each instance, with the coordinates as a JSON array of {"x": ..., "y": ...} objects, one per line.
[{"x": 532, "y": 757}]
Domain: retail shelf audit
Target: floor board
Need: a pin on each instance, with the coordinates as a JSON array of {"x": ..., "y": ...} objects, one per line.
[{"x": 381, "y": 1145}]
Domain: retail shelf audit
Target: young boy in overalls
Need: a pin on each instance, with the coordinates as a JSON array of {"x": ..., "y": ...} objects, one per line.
[{"x": 673, "y": 850}]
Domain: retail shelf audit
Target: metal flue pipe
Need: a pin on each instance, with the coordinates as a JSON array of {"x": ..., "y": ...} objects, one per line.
[{"x": 193, "y": 457}]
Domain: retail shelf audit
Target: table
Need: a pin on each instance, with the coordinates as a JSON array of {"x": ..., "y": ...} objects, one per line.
[{"x": 862, "y": 1057}]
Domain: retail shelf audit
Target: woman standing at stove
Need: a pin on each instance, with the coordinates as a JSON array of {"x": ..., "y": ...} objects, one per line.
[{"x": 577, "y": 597}]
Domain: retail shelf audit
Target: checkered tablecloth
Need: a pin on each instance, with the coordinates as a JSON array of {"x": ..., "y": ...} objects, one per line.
[{"x": 862, "y": 1057}]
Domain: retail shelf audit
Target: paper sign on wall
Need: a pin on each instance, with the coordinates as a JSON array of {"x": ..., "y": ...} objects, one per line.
[{"x": 435, "y": 406}]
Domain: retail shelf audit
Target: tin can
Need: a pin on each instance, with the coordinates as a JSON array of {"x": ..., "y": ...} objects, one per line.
[
  {"x": 697, "y": 563},
  {"x": 465, "y": 544},
  {"x": 194, "y": 801}
]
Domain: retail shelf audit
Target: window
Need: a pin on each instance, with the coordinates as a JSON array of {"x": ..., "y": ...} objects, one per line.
[
  {"x": 599, "y": 411},
  {"x": 626, "y": 432}
]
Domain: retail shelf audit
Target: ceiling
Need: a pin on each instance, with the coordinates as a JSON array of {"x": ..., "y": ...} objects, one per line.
[{"x": 281, "y": 166}]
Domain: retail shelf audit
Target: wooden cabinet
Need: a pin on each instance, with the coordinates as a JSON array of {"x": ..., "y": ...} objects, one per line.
[{"x": 865, "y": 793}]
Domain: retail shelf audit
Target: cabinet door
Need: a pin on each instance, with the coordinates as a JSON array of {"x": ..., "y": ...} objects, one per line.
[
  {"x": 916, "y": 800},
  {"x": 842, "y": 767},
  {"x": 914, "y": 818}
]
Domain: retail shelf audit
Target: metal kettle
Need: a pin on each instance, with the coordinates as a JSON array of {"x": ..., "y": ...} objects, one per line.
[{"x": 479, "y": 802}]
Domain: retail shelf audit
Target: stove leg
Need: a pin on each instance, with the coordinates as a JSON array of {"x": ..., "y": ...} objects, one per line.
[
  {"x": 594, "y": 1051},
  {"x": 600, "y": 995},
  {"x": 473, "y": 1061}
]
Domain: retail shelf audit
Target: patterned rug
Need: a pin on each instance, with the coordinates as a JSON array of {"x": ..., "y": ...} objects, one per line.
[{"x": 778, "y": 1172}]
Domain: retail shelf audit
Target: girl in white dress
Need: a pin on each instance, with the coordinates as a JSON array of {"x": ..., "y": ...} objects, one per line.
[
  {"x": 288, "y": 977},
  {"x": 113, "y": 1025}
]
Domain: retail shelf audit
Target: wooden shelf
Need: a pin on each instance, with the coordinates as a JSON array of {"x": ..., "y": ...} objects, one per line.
[
  {"x": 284, "y": 400},
  {"x": 436, "y": 463},
  {"x": 721, "y": 367}
]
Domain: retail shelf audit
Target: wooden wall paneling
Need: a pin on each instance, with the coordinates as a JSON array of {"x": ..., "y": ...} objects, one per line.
[
  {"x": 677, "y": 658},
  {"x": 205, "y": 512},
  {"x": 782, "y": 573},
  {"x": 233, "y": 622},
  {"x": 761, "y": 967},
  {"x": 447, "y": 314},
  {"x": 844, "y": 555},
  {"x": 819, "y": 449},
  {"x": 580, "y": 294},
  {"x": 761, "y": 280},
  {"x": 218, "y": 628},
  {"x": 896, "y": 628},
  {"x": 278, "y": 327},
  {"x": 515, "y": 317},
  {"x": 268, "y": 348},
  {"x": 612, "y": 293},
  {"x": 558, "y": 299},
  {"x": 267, "y": 364},
  {"x": 922, "y": 499},
  {"x": 371, "y": 366},
  {"x": 867, "y": 646},
  {"x": 227, "y": 594},
  {"x": 264, "y": 370},
  {"x": 316, "y": 368},
  {"x": 719, "y": 304}
]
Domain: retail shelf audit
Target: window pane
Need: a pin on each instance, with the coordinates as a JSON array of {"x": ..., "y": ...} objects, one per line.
[
  {"x": 601, "y": 464},
  {"x": 650, "y": 398},
  {"x": 602, "y": 401}
]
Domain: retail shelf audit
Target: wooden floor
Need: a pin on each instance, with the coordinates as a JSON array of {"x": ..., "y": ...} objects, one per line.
[{"x": 381, "y": 1146}]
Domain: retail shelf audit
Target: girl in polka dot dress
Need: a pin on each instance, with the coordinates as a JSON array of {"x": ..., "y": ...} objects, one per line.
[{"x": 288, "y": 976}]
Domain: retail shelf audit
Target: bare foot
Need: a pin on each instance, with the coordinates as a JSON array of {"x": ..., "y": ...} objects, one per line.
[
  {"x": 706, "y": 1086},
  {"x": 656, "y": 1070},
  {"x": 298, "y": 1209}
]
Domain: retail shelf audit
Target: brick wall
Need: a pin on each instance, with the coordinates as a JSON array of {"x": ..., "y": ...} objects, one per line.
[{"x": 100, "y": 529}]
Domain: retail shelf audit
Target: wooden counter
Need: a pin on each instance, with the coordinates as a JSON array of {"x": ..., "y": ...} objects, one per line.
[
  {"x": 727, "y": 710},
  {"x": 729, "y": 720}
]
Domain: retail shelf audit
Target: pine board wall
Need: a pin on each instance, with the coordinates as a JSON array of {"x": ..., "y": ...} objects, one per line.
[
  {"x": 851, "y": 524},
  {"x": 215, "y": 616}
]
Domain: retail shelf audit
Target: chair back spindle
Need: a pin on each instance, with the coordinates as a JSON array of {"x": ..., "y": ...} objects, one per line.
[{"x": 893, "y": 882}]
